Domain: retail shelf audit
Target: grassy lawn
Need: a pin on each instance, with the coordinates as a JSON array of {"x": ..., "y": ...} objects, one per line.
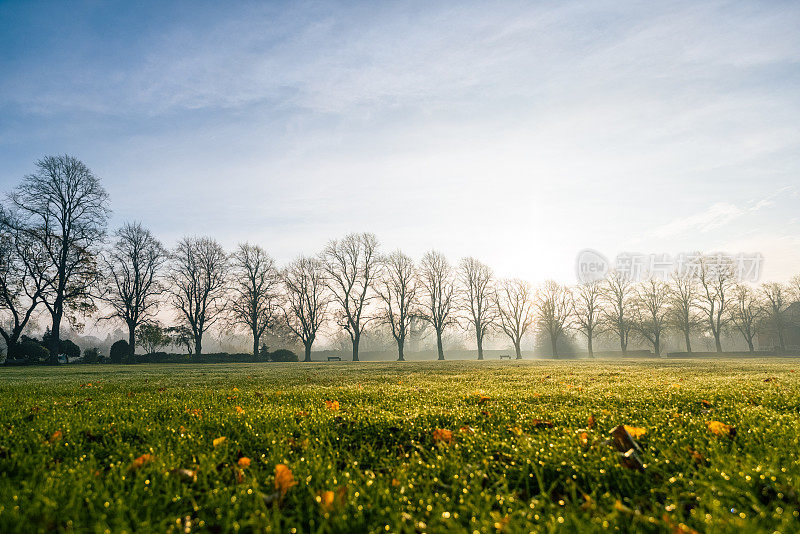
[{"x": 137, "y": 448}]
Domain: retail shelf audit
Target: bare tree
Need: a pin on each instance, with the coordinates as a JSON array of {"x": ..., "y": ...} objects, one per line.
[
  {"x": 776, "y": 302},
  {"x": 254, "y": 297},
  {"x": 477, "y": 298},
  {"x": 746, "y": 313},
  {"x": 306, "y": 305},
  {"x": 437, "y": 285},
  {"x": 716, "y": 278},
  {"x": 351, "y": 265},
  {"x": 618, "y": 292},
  {"x": 684, "y": 292},
  {"x": 197, "y": 284},
  {"x": 651, "y": 311},
  {"x": 515, "y": 313},
  {"x": 62, "y": 209},
  {"x": 553, "y": 309},
  {"x": 23, "y": 265},
  {"x": 132, "y": 268},
  {"x": 587, "y": 309},
  {"x": 397, "y": 290}
]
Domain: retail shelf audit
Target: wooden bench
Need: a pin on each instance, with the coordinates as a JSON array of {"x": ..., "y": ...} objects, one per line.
[
  {"x": 506, "y": 356},
  {"x": 334, "y": 359}
]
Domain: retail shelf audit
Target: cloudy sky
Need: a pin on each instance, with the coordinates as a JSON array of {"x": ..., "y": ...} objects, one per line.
[{"x": 519, "y": 133}]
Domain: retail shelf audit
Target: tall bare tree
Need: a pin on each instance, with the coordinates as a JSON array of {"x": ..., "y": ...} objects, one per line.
[
  {"x": 683, "y": 300},
  {"x": 62, "y": 209},
  {"x": 651, "y": 311},
  {"x": 716, "y": 279},
  {"x": 352, "y": 265},
  {"x": 553, "y": 310},
  {"x": 132, "y": 272},
  {"x": 745, "y": 313},
  {"x": 477, "y": 298},
  {"x": 515, "y": 313},
  {"x": 23, "y": 265},
  {"x": 197, "y": 283},
  {"x": 436, "y": 280},
  {"x": 254, "y": 297},
  {"x": 776, "y": 301},
  {"x": 618, "y": 292},
  {"x": 307, "y": 299},
  {"x": 587, "y": 309},
  {"x": 397, "y": 290}
]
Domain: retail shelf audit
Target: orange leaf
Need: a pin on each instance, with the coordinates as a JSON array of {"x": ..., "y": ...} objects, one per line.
[
  {"x": 635, "y": 431},
  {"x": 329, "y": 499},
  {"x": 239, "y": 410},
  {"x": 142, "y": 461},
  {"x": 591, "y": 421},
  {"x": 284, "y": 479},
  {"x": 583, "y": 439},
  {"x": 721, "y": 429},
  {"x": 244, "y": 462},
  {"x": 442, "y": 435},
  {"x": 332, "y": 405},
  {"x": 57, "y": 435}
]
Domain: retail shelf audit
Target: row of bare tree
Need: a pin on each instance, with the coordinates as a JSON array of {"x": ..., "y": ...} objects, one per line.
[{"x": 54, "y": 256}]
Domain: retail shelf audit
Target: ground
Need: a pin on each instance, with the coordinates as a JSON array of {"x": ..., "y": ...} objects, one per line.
[{"x": 409, "y": 447}]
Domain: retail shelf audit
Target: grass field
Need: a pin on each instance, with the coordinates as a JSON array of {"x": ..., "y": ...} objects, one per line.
[{"x": 365, "y": 447}]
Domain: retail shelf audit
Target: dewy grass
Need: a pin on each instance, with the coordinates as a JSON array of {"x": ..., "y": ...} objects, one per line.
[{"x": 355, "y": 447}]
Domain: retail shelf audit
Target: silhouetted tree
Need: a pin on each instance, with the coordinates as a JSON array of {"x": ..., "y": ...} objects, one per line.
[
  {"x": 351, "y": 265},
  {"x": 197, "y": 278},
  {"x": 553, "y": 309},
  {"x": 438, "y": 292},
  {"x": 255, "y": 285},
  {"x": 62, "y": 208},
  {"x": 515, "y": 313},
  {"x": 306, "y": 305},
  {"x": 618, "y": 291},
  {"x": 683, "y": 299},
  {"x": 181, "y": 336},
  {"x": 132, "y": 271},
  {"x": 587, "y": 310},
  {"x": 745, "y": 313},
  {"x": 651, "y": 310},
  {"x": 397, "y": 289},
  {"x": 152, "y": 337},
  {"x": 716, "y": 278},
  {"x": 776, "y": 301},
  {"x": 477, "y": 298}
]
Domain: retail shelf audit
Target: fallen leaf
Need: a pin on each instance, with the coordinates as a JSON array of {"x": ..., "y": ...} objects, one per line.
[
  {"x": 591, "y": 421},
  {"x": 243, "y": 462},
  {"x": 239, "y": 410},
  {"x": 333, "y": 406},
  {"x": 635, "y": 431},
  {"x": 721, "y": 429},
  {"x": 466, "y": 430},
  {"x": 583, "y": 439},
  {"x": 56, "y": 436},
  {"x": 442, "y": 435},
  {"x": 330, "y": 499},
  {"x": 541, "y": 423},
  {"x": 219, "y": 441},
  {"x": 284, "y": 480},
  {"x": 142, "y": 461}
]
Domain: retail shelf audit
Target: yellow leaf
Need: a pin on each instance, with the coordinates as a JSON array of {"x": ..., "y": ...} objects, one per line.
[
  {"x": 284, "y": 479},
  {"x": 721, "y": 429},
  {"x": 635, "y": 431},
  {"x": 332, "y": 405},
  {"x": 219, "y": 441},
  {"x": 239, "y": 410}
]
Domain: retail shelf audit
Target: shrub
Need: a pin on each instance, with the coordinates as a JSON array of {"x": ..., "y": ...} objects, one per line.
[
  {"x": 120, "y": 351},
  {"x": 91, "y": 355},
  {"x": 32, "y": 351},
  {"x": 69, "y": 349},
  {"x": 283, "y": 355}
]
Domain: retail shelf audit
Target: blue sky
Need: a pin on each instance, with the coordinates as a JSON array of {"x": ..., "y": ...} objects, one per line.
[{"x": 519, "y": 133}]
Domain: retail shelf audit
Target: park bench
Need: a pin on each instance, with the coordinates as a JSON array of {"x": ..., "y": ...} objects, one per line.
[
  {"x": 507, "y": 356},
  {"x": 334, "y": 359}
]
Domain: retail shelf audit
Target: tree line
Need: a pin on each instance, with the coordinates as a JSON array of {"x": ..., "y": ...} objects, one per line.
[{"x": 56, "y": 256}]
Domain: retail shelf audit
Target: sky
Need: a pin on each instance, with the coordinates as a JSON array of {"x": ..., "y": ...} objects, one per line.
[{"x": 518, "y": 133}]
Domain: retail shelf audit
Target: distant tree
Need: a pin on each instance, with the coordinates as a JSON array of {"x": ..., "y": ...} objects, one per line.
[
  {"x": 351, "y": 265},
  {"x": 197, "y": 282},
  {"x": 745, "y": 313},
  {"x": 776, "y": 301},
  {"x": 683, "y": 300},
  {"x": 69, "y": 349},
  {"x": 477, "y": 298},
  {"x": 397, "y": 290},
  {"x": 181, "y": 336},
  {"x": 515, "y": 313},
  {"x": 62, "y": 209},
  {"x": 618, "y": 293},
  {"x": 716, "y": 279},
  {"x": 132, "y": 269},
  {"x": 306, "y": 305},
  {"x": 651, "y": 311},
  {"x": 23, "y": 278},
  {"x": 587, "y": 311},
  {"x": 120, "y": 351},
  {"x": 553, "y": 310},
  {"x": 91, "y": 355},
  {"x": 438, "y": 293},
  {"x": 152, "y": 336},
  {"x": 254, "y": 298}
]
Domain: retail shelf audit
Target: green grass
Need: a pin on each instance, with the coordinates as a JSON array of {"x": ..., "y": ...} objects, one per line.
[{"x": 513, "y": 473}]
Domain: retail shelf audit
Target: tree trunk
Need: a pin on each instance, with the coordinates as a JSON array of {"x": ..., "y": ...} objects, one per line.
[
  {"x": 750, "y": 345},
  {"x": 198, "y": 345},
  {"x": 308, "y": 352},
  {"x": 554, "y": 346},
  {"x": 439, "y": 344},
  {"x": 517, "y": 350},
  {"x": 622, "y": 345},
  {"x": 55, "y": 339},
  {"x": 255, "y": 344},
  {"x": 687, "y": 340},
  {"x": 356, "y": 339},
  {"x": 657, "y": 345},
  {"x": 589, "y": 345},
  {"x": 400, "y": 357},
  {"x": 717, "y": 342},
  {"x": 480, "y": 348},
  {"x": 132, "y": 338},
  {"x": 781, "y": 342}
]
